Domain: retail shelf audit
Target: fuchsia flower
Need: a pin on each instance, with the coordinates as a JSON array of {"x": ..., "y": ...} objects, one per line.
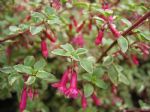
[
  {"x": 78, "y": 40},
  {"x": 80, "y": 27},
  {"x": 114, "y": 31},
  {"x": 96, "y": 101},
  {"x": 72, "y": 91},
  {"x": 62, "y": 84},
  {"x": 30, "y": 93},
  {"x": 70, "y": 27},
  {"x": 135, "y": 59},
  {"x": 48, "y": 35},
  {"x": 83, "y": 101},
  {"x": 99, "y": 37},
  {"x": 114, "y": 89},
  {"x": 75, "y": 23},
  {"x": 144, "y": 49},
  {"x": 23, "y": 101},
  {"x": 44, "y": 48},
  {"x": 56, "y": 4},
  {"x": 105, "y": 6}
]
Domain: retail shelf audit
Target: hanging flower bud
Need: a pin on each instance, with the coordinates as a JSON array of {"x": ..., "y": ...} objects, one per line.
[
  {"x": 70, "y": 27},
  {"x": 105, "y": 6},
  {"x": 44, "y": 48},
  {"x": 90, "y": 24},
  {"x": 62, "y": 84},
  {"x": 75, "y": 23},
  {"x": 135, "y": 59},
  {"x": 80, "y": 27},
  {"x": 23, "y": 101},
  {"x": 114, "y": 31},
  {"x": 72, "y": 91},
  {"x": 78, "y": 40},
  {"x": 56, "y": 4},
  {"x": 30, "y": 93},
  {"x": 114, "y": 89},
  {"x": 83, "y": 101},
  {"x": 99, "y": 37},
  {"x": 48, "y": 35},
  {"x": 96, "y": 101}
]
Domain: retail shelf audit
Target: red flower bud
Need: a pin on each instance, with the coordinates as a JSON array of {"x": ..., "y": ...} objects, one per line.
[
  {"x": 44, "y": 48},
  {"x": 48, "y": 35},
  {"x": 135, "y": 59},
  {"x": 115, "y": 32},
  {"x": 99, "y": 37},
  {"x": 23, "y": 101},
  {"x": 83, "y": 101},
  {"x": 80, "y": 27}
]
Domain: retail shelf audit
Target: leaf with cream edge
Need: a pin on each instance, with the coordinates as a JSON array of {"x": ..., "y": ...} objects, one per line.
[
  {"x": 87, "y": 65},
  {"x": 88, "y": 90},
  {"x": 123, "y": 44}
]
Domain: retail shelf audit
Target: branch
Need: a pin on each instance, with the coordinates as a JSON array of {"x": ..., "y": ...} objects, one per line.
[
  {"x": 12, "y": 37},
  {"x": 126, "y": 32}
]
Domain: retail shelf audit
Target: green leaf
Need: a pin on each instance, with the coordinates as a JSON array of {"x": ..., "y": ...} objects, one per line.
[
  {"x": 67, "y": 47},
  {"x": 145, "y": 36},
  {"x": 84, "y": 5},
  {"x": 88, "y": 90},
  {"x": 13, "y": 78},
  {"x": 7, "y": 70},
  {"x": 23, "y": 26},
  {"x": 74, "y": 56},
  {"x": 49, "y": 11},
  {"x": 87, "y": 77},
  {"x": 80, "y": 51},
  {"x": 127, "y": 22},
  {"x": 113, "y": 74},
  {"x": 39, "y": 65},
  {"x": 100, "y": 83},
  {"x": 123, "y": 79},
  {"x": 31, "y": 80},
  {"x": 87, "y": 65},
  {"x": 46, "y": 76},
  {"x": 29, "y": 61},
  {"x": 23, "y": 69},
  {"x": 53, "y": 19},
  {"x": 123, "y": 44},
  {"x": 107, "y": 60},
  {"x": 36, "y": 29},
  {"x": 60, "y": 52},
  {"x": 13, "y": 28},
  {"x": 38, "y": 15}
]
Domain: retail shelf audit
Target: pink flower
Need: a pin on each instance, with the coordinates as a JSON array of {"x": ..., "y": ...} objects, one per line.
[
  {"x": 48, "y": 35},
  {"x": 114, "y": 31},
  {"x": 72, "y": 91},
  {"x": 56, "y": 4},
  {"x": 23, "y": 101},
  {"x": 114, "y": 89},
  {"x": 96, "y": 101},
  {"x": 99, "y": 38},
  {"x": 78, "y": 40},
  {"x": 62, "y": 84},
  {"x": 135, "y": 59},
  {"x": 44, "y": 48},
  {"x": 83, "y": 101},
  {"x": 75, "y": 23},
  {"x": 30, "y": 93},
  {"x": 144, "y": 49},
  {"x": 80, "y": 27},
  {"x": 105, "y": 6}
]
